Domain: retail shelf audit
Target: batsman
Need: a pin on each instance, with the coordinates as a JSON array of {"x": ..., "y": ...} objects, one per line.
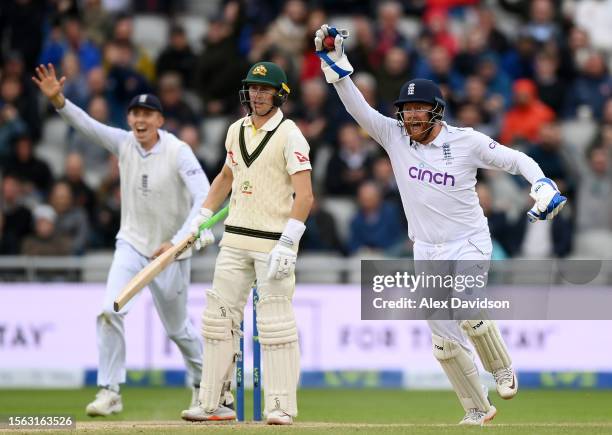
[
  {"x": 435, "y": 166},
  {"x": 267, "y": 169}
]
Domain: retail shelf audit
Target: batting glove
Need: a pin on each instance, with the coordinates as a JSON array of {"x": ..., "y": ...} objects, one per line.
[
  {"x": 282, "y": 258},
  {"x": 205, "y": 237},
  {"x": 548, "y": 200},
  {"x": 334, "y": 63}
]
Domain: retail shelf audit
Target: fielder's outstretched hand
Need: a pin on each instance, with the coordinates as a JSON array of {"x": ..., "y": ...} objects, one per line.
[
  {"x": 47, "y": 81},
  {"x": 334, "y": 63},
  {"x": 548, "y": 200}
]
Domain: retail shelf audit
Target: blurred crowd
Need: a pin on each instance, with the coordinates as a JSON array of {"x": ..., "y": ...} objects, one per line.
[{"x": 534, "y": 75}]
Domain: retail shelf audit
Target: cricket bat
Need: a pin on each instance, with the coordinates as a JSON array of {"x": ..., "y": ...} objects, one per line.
[{"x": 146, "y": 275}]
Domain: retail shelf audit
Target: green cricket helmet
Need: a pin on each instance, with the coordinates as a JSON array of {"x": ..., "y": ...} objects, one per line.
[{"x": 265, "y": 73}]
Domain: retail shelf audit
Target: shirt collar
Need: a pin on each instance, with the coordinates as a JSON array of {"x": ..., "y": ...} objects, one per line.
[
  {"x": 441, "y": 137},
  {"x": 157, "y": 148},
  {"x": 270, "y": 124}
]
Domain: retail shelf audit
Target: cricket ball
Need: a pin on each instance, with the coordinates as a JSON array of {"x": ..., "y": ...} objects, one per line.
[{"x": 328, "y": 43}]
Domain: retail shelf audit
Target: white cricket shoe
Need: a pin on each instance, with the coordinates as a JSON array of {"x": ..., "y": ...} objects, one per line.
[
  {"x": 475, "y": 417},
  {"x": 280, "y": 417},
  {"x": 197, "y": 413},
  {"x": 506, "y": 383},
  {"x": 107, "y": 402}
]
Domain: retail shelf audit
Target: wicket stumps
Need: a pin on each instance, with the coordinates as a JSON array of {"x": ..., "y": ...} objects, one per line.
[{"x": 256, "y": 369}]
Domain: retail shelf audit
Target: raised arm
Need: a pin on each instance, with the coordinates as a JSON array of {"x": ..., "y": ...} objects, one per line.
[
  {"x": 337, "y": 69},
  {"x": 108, "y": 137}
]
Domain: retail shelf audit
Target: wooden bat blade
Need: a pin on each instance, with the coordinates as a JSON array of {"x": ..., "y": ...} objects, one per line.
[
  {"x": 154, "y": 268},
  {"x": 146, "y": 275}
]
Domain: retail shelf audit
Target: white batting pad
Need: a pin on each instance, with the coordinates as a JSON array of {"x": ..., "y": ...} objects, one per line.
[
  {"x": 219, "y": 351},
  {"x": 281, "y": 354},
  {"x": 462, "y": 373},
  {"x": 489, "y": 344}
]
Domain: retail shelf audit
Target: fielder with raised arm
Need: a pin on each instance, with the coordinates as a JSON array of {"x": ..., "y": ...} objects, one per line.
[
  {"x": 162, "y": 187},
  {"x": 435, "y": 167},
  {"x": 267, "y": 163}
]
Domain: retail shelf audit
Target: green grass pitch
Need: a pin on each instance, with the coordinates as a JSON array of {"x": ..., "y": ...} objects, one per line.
[{"x": 156, "y": 410}]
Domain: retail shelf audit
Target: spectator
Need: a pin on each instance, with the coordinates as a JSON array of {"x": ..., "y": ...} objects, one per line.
[
  {"x": 97, "y": 21},
  {"x": 499, "y": 226},
  {"x": 107, "y": 186},
  {"x": 489, "y": 106},
  {"x": 495, "y": 79},
  {"x": 75, "y": 87},
  {"x": 191, "y": 136},
  {"x": 382, "y": 175},
  {"x": 178, "y": 57},
  {"x": 123, "y": 81},
  {"x": 34, "y": 172},
  {"x": 475, "y": 46},
  {"x": 551, "y": 88},
  {"x": 436, "y": 24},
  {"x": 310, "y": 62},
  {"x": 220, "y": 70},
  {"x": 321, "y": 234},
  {"x": 139, "y": 60},
  {"x": 314, "y": 117},
  {"x": 367, "y": 85},
  {"x": 518, "y": 61},
  {"x": 83, "y": 196},
  {"x": 21, "y": 28},
  {"x": 45, "y": 240},
  {"x": 549, "y": 154},
  {"x": 376, "y": 225},
  {"x": 288, "y": 31},
  {"x": 16, "y": 218},
  {"x": 108, "y": 217},
  {"x": 439, "y": 68},
  {"x": 363, "y": 56},
  {"x": 590, "y": 90},
  {"x": 523, "y": 121},
  {"x": 94, "y": 156},
  {"x": 71, "y": 220},
  {"x": 177, "y": 113},
  {"x": 350, "y": 165},
  {"x": 542, "y": 26},
  {"x": 11, "y": 126},
  {"x": 495, "y": 39},
  {"x": 594, "y": 206},
  {"x": 391, "y": 76},
  {"x": 387, "y": 34},
  {"x": 12, "y": 94},
  {"x": 70, "y": 38},
  {"x": 470, "y": 115}
]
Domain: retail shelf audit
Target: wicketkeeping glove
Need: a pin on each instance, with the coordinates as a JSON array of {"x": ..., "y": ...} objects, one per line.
[
  {"x": 206, "y": 237},
  {"x": 548, "y": 200},
  {"x": 334, "y": 63}
]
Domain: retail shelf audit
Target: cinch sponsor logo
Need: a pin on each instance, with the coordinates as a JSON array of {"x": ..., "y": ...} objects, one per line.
[{"x": 431, "y": 177}]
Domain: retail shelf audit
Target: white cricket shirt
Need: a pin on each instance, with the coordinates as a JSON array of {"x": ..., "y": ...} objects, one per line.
[
  {"x": 162, "y": 189},
  {"x": 437, "y": 181}
]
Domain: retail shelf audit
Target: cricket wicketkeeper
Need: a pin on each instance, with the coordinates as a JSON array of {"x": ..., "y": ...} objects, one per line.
[{"x": 435, "y": 167}]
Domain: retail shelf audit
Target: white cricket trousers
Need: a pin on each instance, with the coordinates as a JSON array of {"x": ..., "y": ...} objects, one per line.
[
  {"x": 478, "y": 247},
  {"x": 169, "y": 290}
]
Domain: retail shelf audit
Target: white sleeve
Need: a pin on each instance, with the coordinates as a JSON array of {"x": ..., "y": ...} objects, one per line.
[
  {"x": 196, "y": 181},
  {"x": 492, "y": 155},
  {"x": 108, "y": 137},
  {"x": 380, "y": 128}
]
